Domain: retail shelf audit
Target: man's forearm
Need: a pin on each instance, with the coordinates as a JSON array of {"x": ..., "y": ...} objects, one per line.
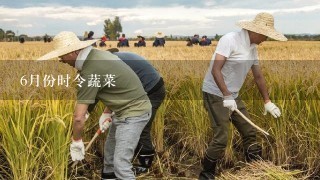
[
  {"x": 78, "y": 124},
  {"x": 218, "y": 77},
  {"x": 261, "y": 84},
  {"x": 79, "y": 119}
]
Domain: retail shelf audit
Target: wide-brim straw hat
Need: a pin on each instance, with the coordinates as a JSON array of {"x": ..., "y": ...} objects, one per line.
[
  {"x": 64, "y": 43},
  {"x": 159, "y": 35},
  {"x": 263, "y": 23}
]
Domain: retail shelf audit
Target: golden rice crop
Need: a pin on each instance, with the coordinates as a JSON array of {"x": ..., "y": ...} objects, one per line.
[{"x": 35, "y": 133}]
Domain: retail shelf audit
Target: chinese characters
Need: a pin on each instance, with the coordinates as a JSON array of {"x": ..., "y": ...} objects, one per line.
[{"x": 49, "y": 80}]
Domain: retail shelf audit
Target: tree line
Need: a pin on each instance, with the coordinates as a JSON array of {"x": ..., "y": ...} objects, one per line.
[
  {"x": 113, "y": 28},
  {"x": 6, "y": 35}
]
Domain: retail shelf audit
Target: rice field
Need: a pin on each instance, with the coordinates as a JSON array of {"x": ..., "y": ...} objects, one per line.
[{"x": 35, "y": 122}]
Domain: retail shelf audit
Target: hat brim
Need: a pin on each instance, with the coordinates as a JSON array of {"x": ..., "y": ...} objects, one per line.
[
  {"x": 159, "y": 35},
  {"x": 63, "y": 51},
  {"x": 270, "y": 32}
]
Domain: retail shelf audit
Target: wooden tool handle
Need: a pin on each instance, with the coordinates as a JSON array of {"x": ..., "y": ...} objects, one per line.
[{"x": 250, "y": 122}]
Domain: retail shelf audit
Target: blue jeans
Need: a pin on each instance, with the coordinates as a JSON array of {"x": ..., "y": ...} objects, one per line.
[{"x": 120, "y": 145}]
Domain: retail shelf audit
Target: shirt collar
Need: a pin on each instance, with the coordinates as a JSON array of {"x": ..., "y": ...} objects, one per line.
[
  {"x": 244, "y": 34},
  {"x": 82, "y": 56}
]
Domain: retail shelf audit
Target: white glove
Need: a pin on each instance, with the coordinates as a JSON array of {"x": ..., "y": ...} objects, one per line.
[
  {"x": 87, "y": 115},
  {"x": 105, "y": 121},
  {"x": 272, "y": 109},
  {"x": 77, "y": 150},
  {"x": 229, "y": 102}
]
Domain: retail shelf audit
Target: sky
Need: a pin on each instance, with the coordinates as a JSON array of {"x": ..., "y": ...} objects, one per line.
[{"x": 146, "y": 17}]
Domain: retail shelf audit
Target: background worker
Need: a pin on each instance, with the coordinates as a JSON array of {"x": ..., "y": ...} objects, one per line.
[
  {"x": 159, "y": 41},
  {"x": 123, "y": 41},
  {"x": 89, "y": 36},
  {"x": 141, "y": 42}
]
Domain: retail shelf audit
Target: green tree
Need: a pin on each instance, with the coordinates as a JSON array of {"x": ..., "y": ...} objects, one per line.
[
  {"x": 117, "y": 26},
  {"x": 217, "y": 37},
  {"x": 112, "y": 28},
  {"x": 10, "y": 35},
  {"x": 109, "y": 29},
  {"x": 1, "y": 34},
  {"x": 113, "y": 33},
  {"x": 106, "y": 29}
]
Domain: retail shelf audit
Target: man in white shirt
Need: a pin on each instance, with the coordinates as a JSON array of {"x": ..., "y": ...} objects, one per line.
[{"x": 235, "y": 55}]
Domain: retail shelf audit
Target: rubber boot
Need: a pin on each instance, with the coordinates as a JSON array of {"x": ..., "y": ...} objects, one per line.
[
  {"x": 108, "y": 176},
  {"x": 253, "y": 154},
  {"x": 209, "y": 169},
  {"x": 145, "y": 163}
]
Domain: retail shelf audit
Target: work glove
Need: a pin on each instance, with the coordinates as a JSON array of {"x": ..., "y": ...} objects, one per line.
[
  {"x": 86, "y": 115},
  {"x": 272, "y": 109},
  {"x": 229, "y": 102},
  {"x": 105, "y": 121},
  {"x": 77, "y": 150}
]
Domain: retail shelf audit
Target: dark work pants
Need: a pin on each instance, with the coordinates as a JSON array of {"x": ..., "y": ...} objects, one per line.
[
  {"x": 221, "y": 117},
  {"x": 145, "y": 146}
]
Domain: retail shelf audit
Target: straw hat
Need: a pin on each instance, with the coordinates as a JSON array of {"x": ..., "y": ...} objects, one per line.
[
  {"x": 64, "y": 43},
  {"x": 159, "y": 35},
  {"x": 263, "y": 23}
]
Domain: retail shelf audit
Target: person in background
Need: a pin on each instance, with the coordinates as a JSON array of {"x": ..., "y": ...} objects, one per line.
[
  {"x": 195, "y": 39},
  {"x": 189, "y": 42},
  {"x": 21, "y": 39},
  {"x": 205, "y": 41},
  {"x": 123, "y": 41},
  {"x": 90, "y": 37},
  {"x": 46, "y": 38},
  {"x": 159, "y": 41},
  {"x": 85, "y": 35},
  {"x": 235, "y": 54},
  {"x": 208, "y": 40},
  {"x": 141, "y": 42},
  {"x": 103, "y": 41}
]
